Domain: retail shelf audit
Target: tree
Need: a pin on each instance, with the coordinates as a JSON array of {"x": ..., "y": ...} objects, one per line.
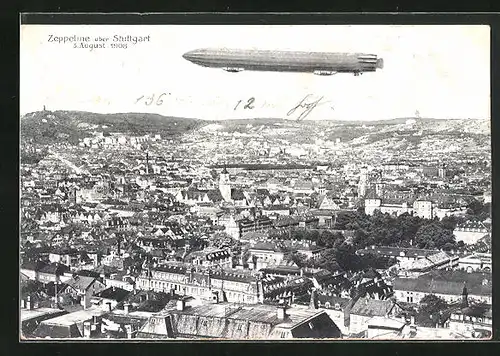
[
  {"x": 245, "y": 255},
  {"x": 298, "y": 258},
  {"x": 347, "y": 259},
  {"x": 475, "y": 207},
  {"x": 434, "y": 236},
  {"x": 449, "y": 222},
  {"x": 431, "y": 310},
  {"x": 328, "y": 239},
  {"x": 328, "y": 260},
  {"x": 432, "y": 304}
]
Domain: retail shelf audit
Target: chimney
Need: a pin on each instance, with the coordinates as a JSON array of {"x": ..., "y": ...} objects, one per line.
[
  {"x": 29, "y": 306},
  {"x": 215, "y": 297},
  {"x": 313, "y": 304},
  {"x": 128, "y": 328},
  {"x": 86, "y": 329},
  {"x": 126, "y": 307},
  {"x": 181, "y": 305},
  {"x": 281, "y": 312},
  {"x": 86, "y": 301}
]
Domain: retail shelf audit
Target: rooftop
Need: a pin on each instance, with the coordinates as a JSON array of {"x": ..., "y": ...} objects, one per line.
[
  {"x": 447, "y": 282},
  {"x": 28, "y": 314},
  {"x": 74, "y": 318},
  {"x": 372, "y": 307}
]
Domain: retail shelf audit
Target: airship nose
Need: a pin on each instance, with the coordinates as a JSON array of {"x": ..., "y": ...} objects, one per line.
[
  {"x": 380, "y": 63},
  {"x": 192, "y": 55},
  {"x": 188, "y": 55}
]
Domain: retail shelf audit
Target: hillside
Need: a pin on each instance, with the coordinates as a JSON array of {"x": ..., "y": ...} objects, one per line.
[
  {"x": 70, "y": 126},
  {"x": 399, "y": 134}
]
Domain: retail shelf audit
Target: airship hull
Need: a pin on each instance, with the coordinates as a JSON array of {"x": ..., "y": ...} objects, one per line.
[{"x": 323, "y": 63}]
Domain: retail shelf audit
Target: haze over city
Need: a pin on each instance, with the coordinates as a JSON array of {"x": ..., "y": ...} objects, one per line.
[{"x": 439, "y": 71}]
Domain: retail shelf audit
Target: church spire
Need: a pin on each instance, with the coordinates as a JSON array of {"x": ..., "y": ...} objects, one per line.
[
  {"x": 465, "y": 301},
  {"x": 225, "y": 185}
]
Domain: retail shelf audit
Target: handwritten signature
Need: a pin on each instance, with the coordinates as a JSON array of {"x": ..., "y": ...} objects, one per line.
[{"x": 307, "y": 106}]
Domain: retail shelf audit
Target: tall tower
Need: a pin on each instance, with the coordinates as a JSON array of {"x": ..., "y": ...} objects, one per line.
[
  {"x": 442, "y": 171},
  {"x": 363, "y": 182},
  {"x": 224, "y": 185},
  {"x": 465, "y": 301}
]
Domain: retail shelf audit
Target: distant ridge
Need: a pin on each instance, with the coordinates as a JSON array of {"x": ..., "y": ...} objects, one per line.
[{"x": 61, "y": 125}]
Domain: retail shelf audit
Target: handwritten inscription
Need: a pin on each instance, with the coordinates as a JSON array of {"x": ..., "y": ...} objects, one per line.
[
  {"x": 153, "y": 98},
  {"x": 304, "y": 107},
  {"x": 248, "y": 105},
  {"x": 301, "y": 110}
]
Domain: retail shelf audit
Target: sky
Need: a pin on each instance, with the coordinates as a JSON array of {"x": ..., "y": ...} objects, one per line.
[{"x": 441, "y": 71}]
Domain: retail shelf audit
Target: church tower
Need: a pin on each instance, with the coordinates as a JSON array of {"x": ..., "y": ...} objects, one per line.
[
  {"x": 465, "y": 300},
  {"x": 363, "y": 182},
  {"x": 224, "y": 185}
]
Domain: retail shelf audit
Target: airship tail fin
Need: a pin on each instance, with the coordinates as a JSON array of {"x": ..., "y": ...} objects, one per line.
[{"x": 380, "y": 63}]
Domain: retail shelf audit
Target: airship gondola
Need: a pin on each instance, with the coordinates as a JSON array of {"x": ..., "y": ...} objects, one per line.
[{"x": 319, "y": 63}]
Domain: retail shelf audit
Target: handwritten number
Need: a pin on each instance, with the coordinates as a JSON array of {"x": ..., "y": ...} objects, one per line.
[
  {"x": 249, "y": 103},
  {"x": 151, "y": 98},
  {"x": 159, "y": 101}
]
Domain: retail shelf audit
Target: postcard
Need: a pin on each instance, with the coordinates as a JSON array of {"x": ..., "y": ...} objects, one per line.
[{"x": 255, "y": 182}]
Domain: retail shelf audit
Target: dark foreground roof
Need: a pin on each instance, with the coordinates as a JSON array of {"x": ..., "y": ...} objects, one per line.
[{"x": 45, "y": 330}]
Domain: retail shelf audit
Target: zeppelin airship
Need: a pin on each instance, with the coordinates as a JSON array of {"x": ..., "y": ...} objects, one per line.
[{"x": 320, "y": 63}]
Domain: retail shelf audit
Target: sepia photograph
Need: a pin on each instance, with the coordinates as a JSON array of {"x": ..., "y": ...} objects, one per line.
[{"x": 255, "y": 182}]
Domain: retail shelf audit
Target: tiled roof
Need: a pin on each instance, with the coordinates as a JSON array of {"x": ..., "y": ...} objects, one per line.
[
  {"x": 447, "y": 282},
  {"x": 80, "y": 282},
  {"x": 158, "y": 326},
  {"x": 332, "y": 300},
  {"x": 45, "y": 330},
  {"x": 471, "y": 224},
  {"x": 246, "y": 322},
  {"x": 372, "y": 307},
  {"x": 114, "y": 293},
  {"x": 397, "y": 251},
  {"x": 54, "y": 268},
  {"x": 237, "y": 194}
]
